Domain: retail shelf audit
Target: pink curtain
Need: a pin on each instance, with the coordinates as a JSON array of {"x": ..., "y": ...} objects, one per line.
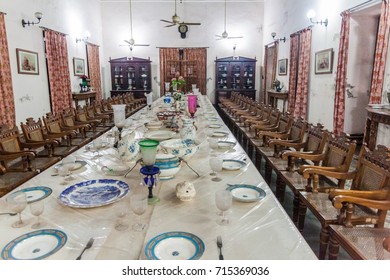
[
  {"x": 303, "y": 67},
  {"x": 380, "y": 54},
  {"x": 58, "y": 70},
  {"x": 341, "y": 75},
  {"x": 94, "y": 69},
  {"x": 7, "y": 105},
  {"x": 292, "y": 79}
]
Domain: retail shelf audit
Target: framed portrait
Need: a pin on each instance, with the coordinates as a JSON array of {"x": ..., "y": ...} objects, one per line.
[
  {"x": 324, "y": 62},
  {"x": 282, "y": 67},
  {"x": 78, "y": 66},
  {"x": 27, "y": 62}
]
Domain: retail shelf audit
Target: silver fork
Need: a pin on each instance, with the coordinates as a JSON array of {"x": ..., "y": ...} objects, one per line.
[
  {"x": 219, "y": 244},
  {"x": 88, "y": 246}
]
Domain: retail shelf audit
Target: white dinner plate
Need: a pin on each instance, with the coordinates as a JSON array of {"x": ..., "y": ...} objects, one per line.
[
  {"x": 215, "y": 126},
  {"x": 232, "y": 164},
  {"x": 34, "y": 245},
  {"x": 246, "y": 193},
  {"x": 219, "y": 134},
  {"x": 175, "y": 245},
  {"x": 160, "y": 135},
  {"x": 226, "y": 144},
  {"x": 94, "y": 193},
  {"x": 36, "y": 193},
  {"x": 73, "y": 166}
]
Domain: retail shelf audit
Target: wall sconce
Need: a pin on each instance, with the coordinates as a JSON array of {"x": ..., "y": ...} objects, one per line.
[
  {"x": 312, "y": 14},
  {"x": 38, "y": 15},
  {"x": 273, "y": 34},
  {"x": 84, "y": 39}
]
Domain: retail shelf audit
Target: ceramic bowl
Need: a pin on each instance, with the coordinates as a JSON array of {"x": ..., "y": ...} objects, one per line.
[
  {"x": 169, "y": 165},
  {"x": 153, "y": 125},
  {"x": 180, "y": 148}
]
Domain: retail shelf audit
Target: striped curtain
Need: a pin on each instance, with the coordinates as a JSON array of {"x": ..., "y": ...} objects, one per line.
[
  {"x": 166, "y": 54},
  {"x": 292, "y": 79},
  {"x": 380, "y": 54},
  {"x": 58, "y": 70},
  {"x": 94, "y": 69},
  {"x": 299, "y": 73},
  {"x": 7, "y": 105},
  {"x": 341, "y": 75}
]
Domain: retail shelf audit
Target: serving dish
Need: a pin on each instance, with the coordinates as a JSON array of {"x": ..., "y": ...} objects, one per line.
[
  {"x": 232, "y": 164},
  {"x": 181, "y": 148},
  {"x": 160, "y": 135},
  {"x": 94, "y": 193},
  {"x": 175, "y": 245},
  {"x": 169, "y": 165}
]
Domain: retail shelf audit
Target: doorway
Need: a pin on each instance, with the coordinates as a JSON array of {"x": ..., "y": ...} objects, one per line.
[
  {"x": 362, "y": 41},
  {"x": 271, "y": 55}
]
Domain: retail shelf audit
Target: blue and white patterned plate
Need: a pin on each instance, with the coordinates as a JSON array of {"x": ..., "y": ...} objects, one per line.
[
  {"x": 246, "y": 193},
  {"x": 34, "y": 245},
  {"x": 36, "y": 193},
  {"x": 175, "y": 245},
  {"x": 94, "y": 193}
]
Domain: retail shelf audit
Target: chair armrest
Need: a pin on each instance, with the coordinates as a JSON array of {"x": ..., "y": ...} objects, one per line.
[
  {"x": 304, "y": 155},
  {"x": 375, "y": 194},
  {"x": 15, "y": 155},
  {"x": 302, "y": 168},
  {"x": 334, "y": 174},
  {"x": 287, "y": 144},
  {"x": 273, "y": 134},
  {"x": 340, "y": 200},
  {"x": 37, "y": 144}
]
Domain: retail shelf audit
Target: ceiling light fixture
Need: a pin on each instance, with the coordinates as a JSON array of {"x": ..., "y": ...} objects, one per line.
[{"x": 38, "y": 15}]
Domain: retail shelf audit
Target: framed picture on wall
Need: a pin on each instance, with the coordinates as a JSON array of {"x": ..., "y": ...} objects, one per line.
[
  {"x": 282, "y": 67},
  {"x": 27, "y": 62},
  {"x": 324, "y": 61},
  {"x": 78, "y": 66}
]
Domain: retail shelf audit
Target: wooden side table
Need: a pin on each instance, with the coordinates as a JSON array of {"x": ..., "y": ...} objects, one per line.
[
  {"x": 361, "y": 243},
  {"x": 374, "y": 117},
  {"x": 90, "y": 96},
  {"x": 273, "y": 97}
]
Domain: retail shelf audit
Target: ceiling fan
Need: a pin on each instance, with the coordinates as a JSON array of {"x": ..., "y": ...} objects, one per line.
[
  {"x": 224, "y": 34},
  {"x": 131, "y": 42},
  {"x": 176, "y": 20}
]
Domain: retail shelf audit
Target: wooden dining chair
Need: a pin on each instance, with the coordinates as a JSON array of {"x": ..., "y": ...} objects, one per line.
[
  {"x": 75, "y": 135},
  {"x": 83, "y": 117},
  {"x": 21, "y": 156},
  {"x": 86, "y": 129},
  {"x": 366, "y": 202},
  {"x": 10, "y": 180},
  {"x": 35, "y": 132}
]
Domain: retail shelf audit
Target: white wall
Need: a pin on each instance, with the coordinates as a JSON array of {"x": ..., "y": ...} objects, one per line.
[
  {"x": 286, "y": 17},
  {"x": 72, "y": 17},
  {"x": 243, "y": 18}
]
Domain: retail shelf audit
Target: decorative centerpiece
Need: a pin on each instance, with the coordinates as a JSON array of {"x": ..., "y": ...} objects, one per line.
[
  {"x": 149, "y": 171},
  {"x": 185, "y": 191},
  {"x": 178, "y": 83},
  {"x": 85, "y": 83}
]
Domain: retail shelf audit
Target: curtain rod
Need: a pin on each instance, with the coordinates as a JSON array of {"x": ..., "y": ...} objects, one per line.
[
  {"x": 48, "y": 29},
  {"x": 358, "y": 6},
  {"x": 300, "y": 31}
]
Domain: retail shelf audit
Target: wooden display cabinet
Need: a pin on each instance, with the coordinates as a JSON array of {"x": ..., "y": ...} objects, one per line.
[
  {"x": 235, "y": 73},
  {"x": 131, "y": 74}
]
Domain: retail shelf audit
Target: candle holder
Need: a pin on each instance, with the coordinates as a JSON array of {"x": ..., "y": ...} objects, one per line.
[
  {"x": 119, "y": 120},
  {"x": 192, "y": 99},
  {"x": 149, "y": 171}
]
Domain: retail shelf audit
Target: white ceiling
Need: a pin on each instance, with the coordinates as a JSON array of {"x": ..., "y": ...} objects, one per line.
[{"x": 183, "y": 1}]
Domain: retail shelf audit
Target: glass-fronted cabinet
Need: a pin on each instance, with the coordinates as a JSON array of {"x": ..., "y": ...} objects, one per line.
[
  {"x": 130, "y": 74},
  {"x": 235, "y": 74}
]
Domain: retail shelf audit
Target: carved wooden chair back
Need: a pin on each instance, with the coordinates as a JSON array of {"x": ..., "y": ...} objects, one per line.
[
  {"x": 9, "y": 139},
  {"x": 298, "y": 130},
  {"x": 316, "y": 138},
  {"x": 33, "y": 130},
  {"x": 53, "y": 123},
  {"x": 339, "y": 152}
]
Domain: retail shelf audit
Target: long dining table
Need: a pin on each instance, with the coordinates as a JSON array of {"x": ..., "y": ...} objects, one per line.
[{"x": 259, "y": 230}]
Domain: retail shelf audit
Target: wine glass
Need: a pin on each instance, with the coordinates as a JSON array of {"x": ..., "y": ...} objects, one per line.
[
  {"x": 17, "y": 202},
  {"x": 216, "y": 166},
  {"x": 97, "y": 145},
  {"x": 63, "y": 171},
  {"x": 121, "y": 210},
  {"x": 36, "y": 209},
  {"x": 223, "y": 201},
  {"x": 139, "y": 204}
]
